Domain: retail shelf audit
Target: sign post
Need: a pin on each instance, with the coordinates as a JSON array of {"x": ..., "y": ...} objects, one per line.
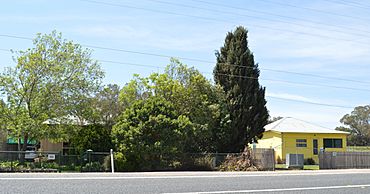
[{"x": 111, "y": 160}]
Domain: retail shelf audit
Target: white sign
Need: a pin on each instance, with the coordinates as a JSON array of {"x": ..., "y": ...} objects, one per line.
[{"x": 51, "y": 156}]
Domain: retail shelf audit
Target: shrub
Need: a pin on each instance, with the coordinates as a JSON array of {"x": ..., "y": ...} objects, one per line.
[
  {"x": 92, "y": 167},
  {"x": 70, "y": 168},
  {"x": 8, "y": 165},
  {"x": 197, "y": 162},
  {"x": 309, "y": 161}
]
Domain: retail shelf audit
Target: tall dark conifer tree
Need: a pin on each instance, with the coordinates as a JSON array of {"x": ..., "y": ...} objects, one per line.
[{"x": 238, "y": 74}]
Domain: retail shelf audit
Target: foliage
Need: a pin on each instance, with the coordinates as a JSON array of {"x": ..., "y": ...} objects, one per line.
[
  {"x": 95, "y": 137},
  {"x": 238, "y": 74},
  {"x": 239, "y": 162},
  {"x": 70, "y": 168},
  {"x": 108, "y": 106},
  {"x": 309, "y": 161},
  {"x": 357, "y": 123},
  {"x": 120, "y": 162},
  {"x": 193, "y": 96},
  {"x": 6, "y": 166},
  {"x": 16, "y": 166},
  {"x": 203, "y": 162},
  {"x": 49, "y": 81},
  {"x": 101, "y": 112},
  {"x": 93, "y": 167},
  {"x": 148, "y": 130}
]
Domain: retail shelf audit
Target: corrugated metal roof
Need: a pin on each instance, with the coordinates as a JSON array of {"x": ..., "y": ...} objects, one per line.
[
  {"x": 68, "y": 120},
  {"x": 292, "y": 125}
]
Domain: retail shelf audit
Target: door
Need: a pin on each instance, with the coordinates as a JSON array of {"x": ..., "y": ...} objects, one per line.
[{"x": 315, "y": 147}]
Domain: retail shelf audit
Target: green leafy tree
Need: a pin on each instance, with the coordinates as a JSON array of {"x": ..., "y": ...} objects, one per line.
[
  {"x": 95, "y": 137},
  {"x": 238, "y": 75},
  {"x": 107, "y": 106},
  {"x": 357, "y": 123},
  {"x": 193, "y": 96},
  {"x": 100, "y": 113},
  {"x": 48, "y": 81},
  {"x": 149, "y": 134}
]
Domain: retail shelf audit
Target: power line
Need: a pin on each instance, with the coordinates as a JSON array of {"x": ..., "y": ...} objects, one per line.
[
  {"x": 312, "y": 9},
  {"x": 271, "y": 19},
  {"x": 313, "y": 103},
  {"x": 146, "y": 53},
  {"x": 16, "y": 37},
  {"x": 316, "y": 76},
  {"x": 203, "y": 61},
  {"x": 218, "y": 20},
  {"x": 5, "y": 50},
  {"x": 351, "y": 4},
  {"x": 239, "y": 76},
  {"x": 248, "y": 77},
  {"x": 272, "y": 14}
]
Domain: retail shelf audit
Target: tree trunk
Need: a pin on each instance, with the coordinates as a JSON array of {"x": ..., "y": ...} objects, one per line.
[{"x": 24, "y": 148}]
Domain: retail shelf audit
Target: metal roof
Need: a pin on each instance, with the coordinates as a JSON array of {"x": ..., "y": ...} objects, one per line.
[{"x": 292, "y": 125}]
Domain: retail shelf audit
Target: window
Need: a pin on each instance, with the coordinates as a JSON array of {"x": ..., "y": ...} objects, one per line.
[
  {"x": 333, "y": 143},
  {"x": 301, "y": 142}
]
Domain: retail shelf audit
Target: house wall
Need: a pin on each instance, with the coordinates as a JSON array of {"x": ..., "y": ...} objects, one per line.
[
  {"x": 4, "y": 146},
  {"x": 271, "y": 140},
  {"x": 289, "y": 144},
  {"x": 46, "y": 145}
]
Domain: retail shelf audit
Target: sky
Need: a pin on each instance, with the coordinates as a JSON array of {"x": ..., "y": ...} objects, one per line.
[{"x": 314, "y": 55}]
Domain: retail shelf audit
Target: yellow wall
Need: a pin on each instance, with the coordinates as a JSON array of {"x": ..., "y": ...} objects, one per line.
[
  {"x": 285, "y": 143},
  {"x": 289, "y": 144},
  {"x": 271, "y": 140}
]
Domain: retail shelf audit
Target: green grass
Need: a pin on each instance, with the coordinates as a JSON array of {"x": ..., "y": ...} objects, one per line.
[
  {"x": 311, "y": 167},
  {"x": 305, "y": 167},
  {"x": 280, "y": 166}
]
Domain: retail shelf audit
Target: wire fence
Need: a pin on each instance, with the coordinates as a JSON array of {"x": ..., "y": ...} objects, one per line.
[
  {"x": 35, "y": 161},
  {"x": 89, "y": 161}
]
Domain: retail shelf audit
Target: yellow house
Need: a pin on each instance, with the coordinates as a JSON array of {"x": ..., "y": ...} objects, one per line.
[{"x": 293, "y": 136}]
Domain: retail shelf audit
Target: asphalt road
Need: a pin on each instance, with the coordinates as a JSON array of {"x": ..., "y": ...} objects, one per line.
[{"x": 333, "y": 181}]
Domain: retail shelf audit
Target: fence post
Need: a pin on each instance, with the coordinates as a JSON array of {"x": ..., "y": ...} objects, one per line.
[
  {"x": 273, "y": 159},
  {"x": 89, "y": 152},
  {"x": 60, "y": 161},
  {"x": 111, "y": 160}
]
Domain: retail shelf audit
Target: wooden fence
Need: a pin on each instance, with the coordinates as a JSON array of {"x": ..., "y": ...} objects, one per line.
[
  {"x": 343, "y": 160},
  {"x": 264, "y": 158}
]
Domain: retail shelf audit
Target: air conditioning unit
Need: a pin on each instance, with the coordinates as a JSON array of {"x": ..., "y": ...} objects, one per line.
[{"x": 294, "y": 160}]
